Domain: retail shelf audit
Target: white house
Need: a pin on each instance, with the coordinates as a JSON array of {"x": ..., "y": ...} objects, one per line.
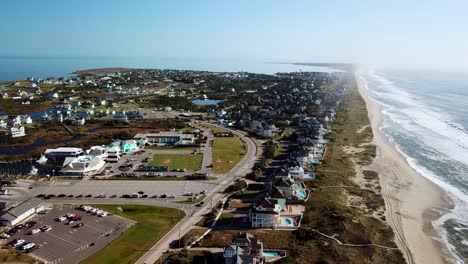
[
  {"x": 83, "y": 166},
  {"x": 296, "y": 172},
  {"x": 16, "y": 131},
  {"x": 113, "y": 154},
  {"x": 21, "y": 212},
  {"x": 79, "y": 122}
]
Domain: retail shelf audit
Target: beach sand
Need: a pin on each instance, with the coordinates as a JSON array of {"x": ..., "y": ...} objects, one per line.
[{"x": 412, "y": 202}]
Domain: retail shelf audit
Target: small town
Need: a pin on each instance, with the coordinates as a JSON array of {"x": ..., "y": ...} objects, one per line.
[{"x": 232, "y": 158}]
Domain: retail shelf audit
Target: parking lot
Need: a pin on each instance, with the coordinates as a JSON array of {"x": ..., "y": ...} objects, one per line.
[{"x": 70, "y": 243}]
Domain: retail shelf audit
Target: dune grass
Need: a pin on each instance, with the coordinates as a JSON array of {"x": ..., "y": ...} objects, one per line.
[{"x": 190, "y": 162}]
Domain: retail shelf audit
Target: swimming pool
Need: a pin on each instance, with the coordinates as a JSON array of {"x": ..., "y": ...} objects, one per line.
[
  {"x": 288, "y": 221},
  {"x": 302, "y": 193},
  {"x": 297, "y": 185},
  {"x": 270, "y": 254}
]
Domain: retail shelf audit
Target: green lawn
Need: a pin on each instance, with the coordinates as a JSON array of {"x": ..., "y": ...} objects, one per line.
[
  {"x": 191, "y": 162},
  {"x": 189, "y": 201},
  {"x": 227, "y": 152},
  {"x": 153, "y": 223},
  {"x": 215, "y": 129},
  {"x": 171, "y": 148}
]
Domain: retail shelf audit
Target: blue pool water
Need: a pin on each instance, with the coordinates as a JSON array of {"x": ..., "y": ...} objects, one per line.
[
  {"x": 302, "y": 193},
  {"x": 298, "y": 185},
  {"x": 270, "y": 254},
  {"x": 288, "y": 221},
  {"x": 206, "y": 102}
]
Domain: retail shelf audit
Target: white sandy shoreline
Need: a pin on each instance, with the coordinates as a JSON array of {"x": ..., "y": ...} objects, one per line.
[{"x": 412, "y": 202}]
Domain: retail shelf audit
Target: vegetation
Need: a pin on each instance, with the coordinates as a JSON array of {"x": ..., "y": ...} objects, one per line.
[
  {"x": 190, "y": 162},
  {"x": 193, "y": 201},
  {"x": 152, "y": 223},
  {"x": 14, "y": 256},
  {"x": 227, "y": 152}
]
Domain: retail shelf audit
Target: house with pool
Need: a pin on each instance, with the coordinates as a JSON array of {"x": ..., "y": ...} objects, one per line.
[
  {"x": 247, "y": 249},
  {"x": 275, "y": 213}
]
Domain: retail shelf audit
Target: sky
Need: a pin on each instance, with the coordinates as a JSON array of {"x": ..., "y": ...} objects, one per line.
[{"x": 431, "y": 34}]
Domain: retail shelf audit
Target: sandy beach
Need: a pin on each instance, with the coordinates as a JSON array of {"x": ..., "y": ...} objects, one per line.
[{"x": 412, "y": 201}]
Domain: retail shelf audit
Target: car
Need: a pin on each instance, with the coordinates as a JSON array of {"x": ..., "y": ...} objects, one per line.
[
  {"x": 203, "y": 192},
  {"x": 163, "y": 196},
  {"x": 69, "y": 215},
  {"x": 101, "y": 196},
  {"x": 17, "y": 242},
  {"x": 62, "y": 195},
  {"x": 19, "y": 227},
  {"x": 45, "y": 228},
  {"x": 78, "y": 225},
  {"x": 41, "y": 195},
  {"x": 79, "y": 196},
  {"x": 171, "y": 196},
  {"x": 155, "y": 196},
  {"x": 28, "y": 246},
  {"x": 141, "y": 192},
  {"x": 70, "y": 196},
  {"x": 35, "y": 231},
  {"x": 103, "y": 214},
  {"x": 11, "y": 231},
  {"x": 75, "y": 218},
  {"x": 30, "y": 223},
  {"x": 45, "y": 211},
  {"x": 144, "y": 196},
  {"x": 4, "y": 236},
  {"x": 88, "y": 196},
  {"x": 61, "y": 219},
  {"x": 70, "y": 222},
  {"x": 188, "y": 194},
  {"x": 51, "y": 195}
]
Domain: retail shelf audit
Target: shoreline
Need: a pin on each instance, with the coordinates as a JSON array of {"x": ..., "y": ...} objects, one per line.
[{"x": 412, "y": 202}]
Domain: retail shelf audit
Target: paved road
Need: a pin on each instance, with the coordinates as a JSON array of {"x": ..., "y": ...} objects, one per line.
[{"x": 215, "y": 194}]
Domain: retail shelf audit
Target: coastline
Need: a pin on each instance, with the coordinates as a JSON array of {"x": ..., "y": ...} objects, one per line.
[{"x": 412, "y": 201}]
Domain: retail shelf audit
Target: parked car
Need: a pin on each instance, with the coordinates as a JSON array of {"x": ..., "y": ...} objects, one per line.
[
  {"x": 45, "y": 228},
  {"x": 101, "y": 196},
  {"x": 17, "y": 242},
  {"x": 35, "y": 231},
  {"x": 188, "y": 194},
  {"x": 78, "y": 225},
  {"x": 171, "y": 196},
  {"x": 4, "y": 236},
  {"x": 28, "y": 246},
  {"x": 61, "y": 219}
]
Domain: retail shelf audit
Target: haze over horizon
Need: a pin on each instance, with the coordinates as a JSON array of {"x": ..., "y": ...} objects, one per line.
[{"x": 397, "y": 33}]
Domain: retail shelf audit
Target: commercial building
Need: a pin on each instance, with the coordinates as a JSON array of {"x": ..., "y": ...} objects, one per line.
[
  {"x": 83, "y": 166},
  {"x": 166, "y": 138},
  {"x": 24, "y": 210},
  {"x": 63, "y": 152}
]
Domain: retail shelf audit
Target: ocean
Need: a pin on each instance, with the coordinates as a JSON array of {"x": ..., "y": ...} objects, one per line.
[
  {"x": 21, "y": 67},
  {"x": 425, "y": 116}
]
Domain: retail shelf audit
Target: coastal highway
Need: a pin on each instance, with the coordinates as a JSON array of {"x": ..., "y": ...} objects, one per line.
[{"x": 214, "y": 196}]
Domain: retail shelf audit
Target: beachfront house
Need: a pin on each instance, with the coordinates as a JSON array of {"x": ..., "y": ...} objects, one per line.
[
  {"x": 245, "y": 248},
  {"x": 16, "y": 131}
]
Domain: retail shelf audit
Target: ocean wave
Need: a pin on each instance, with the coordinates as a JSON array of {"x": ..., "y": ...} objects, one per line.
[{"x": 424, "y": 135}]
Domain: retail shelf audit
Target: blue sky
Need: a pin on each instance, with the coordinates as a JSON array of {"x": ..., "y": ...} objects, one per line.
[{"x": 405, "y": 33}]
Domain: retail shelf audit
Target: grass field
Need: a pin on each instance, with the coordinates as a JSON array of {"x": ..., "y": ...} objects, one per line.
[
  {"x": 227, "y": 152},
  {"x": 190, "y": 162},
  {"x": 171, "y": 148},
  {"x": 215, "y": 129},
  {"x": 153, "y": 223}
]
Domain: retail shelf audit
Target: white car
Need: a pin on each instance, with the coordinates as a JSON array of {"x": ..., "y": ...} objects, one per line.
[
  {"x": 4, "y": 235},
  {"x": 103, "y": 214},
  {"x": 28, "y": 246},
  {"x": 94, "y": 210},
  {"x": 18, "y": 242},
  {"x": 35, "y": 231},
  {"x": 71, "y": 222},
  {"x": 188, "y": 194},
  {"x": 98, "y": 212},
  {"x": 61, "y": 219}
]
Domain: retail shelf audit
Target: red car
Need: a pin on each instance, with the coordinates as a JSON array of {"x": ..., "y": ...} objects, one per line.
[{"x": 75, "y": 218}]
